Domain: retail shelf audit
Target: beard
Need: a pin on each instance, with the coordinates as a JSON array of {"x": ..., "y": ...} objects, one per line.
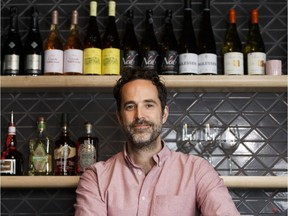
[{"x": 142, "y": 138}]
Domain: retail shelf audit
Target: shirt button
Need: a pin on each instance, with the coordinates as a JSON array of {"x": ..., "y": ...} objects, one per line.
[
  {"x": 143, "y": 198},
  {"x": 139, "y": 173}
]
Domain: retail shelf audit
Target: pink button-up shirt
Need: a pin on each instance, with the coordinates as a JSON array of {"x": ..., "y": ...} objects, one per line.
[{"x": 177, "y": 185}]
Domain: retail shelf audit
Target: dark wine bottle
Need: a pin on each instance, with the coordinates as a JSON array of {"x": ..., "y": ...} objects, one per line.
[
  {"x": 207, "y": 60},
  {"x": 168, "y": 48},
  {"x": 130, "y": 46},
  {"x": 254, "y": 49},
  {"x": 92, "y": 44},
  {"x": 188, "y": 51},
  {"x": 149, "y": 49},
  {"x": 111, "y": 44},
  {"x": 12, "y": 48},
  {"x": 232, "y": 48},
  {"x": 33, "y": 47}
]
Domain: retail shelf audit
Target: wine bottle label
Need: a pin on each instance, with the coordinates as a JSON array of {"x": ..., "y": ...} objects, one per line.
[
  {"x": 233, "y": 63},
  {"x": 111, "y": 61},
  {"x": 64, "y": 152},
  {"x": 87, "y": 155},
  {"x": 93, "y": 8},
  {"x": 73, "y": 61},
  {"x": 150, "y": 60},
  {"x": 256, "y": 63},
  {"x": 169, "y": 63},
  {"x": 188, "y": 63},
  {"x": 111, "y": 8},
  {"x": 42, "y": 162},
  {"x": 33, "y": 62},
  {"x": 130, "y": 58},
  {"x": 64, "y": 157},
  {"x": 207, "y": 63},
  {"x": 8, "y": 166},
  {"x": 92, "y": 61},
  {"x": 11, "y": 63},
  {"x": 53, "y": 61}
]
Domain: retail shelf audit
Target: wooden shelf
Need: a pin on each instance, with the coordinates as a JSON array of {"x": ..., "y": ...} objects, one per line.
[
  {"x": 197, "y": 83},
  {"x": 72, "y": 181}
]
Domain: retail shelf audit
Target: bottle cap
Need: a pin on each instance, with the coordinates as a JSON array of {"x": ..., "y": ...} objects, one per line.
[
  {"x": 232, "y": 16},
  {"x": 254, "y": 16}
]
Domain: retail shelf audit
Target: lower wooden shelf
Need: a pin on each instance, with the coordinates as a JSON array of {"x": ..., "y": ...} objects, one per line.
[{"x": 72, "y": 181}]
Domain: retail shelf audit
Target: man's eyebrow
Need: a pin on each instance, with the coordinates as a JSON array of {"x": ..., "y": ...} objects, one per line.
[{"x": 145, "y": 101}]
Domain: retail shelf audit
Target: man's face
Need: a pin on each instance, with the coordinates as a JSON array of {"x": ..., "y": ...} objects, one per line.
[{"x": 140, "y": 114}]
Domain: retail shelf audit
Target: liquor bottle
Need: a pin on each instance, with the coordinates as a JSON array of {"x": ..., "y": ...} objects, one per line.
[
  {"x": 53, "y": 49},
  {"x": 130, "y": 46},
  {"x": 92, "y": 44},
  {"x": 12, "y": 48},
  {"x": 168, "y": 48},
  {"x": 207, "y": 59},
  {"x": 188, "y": 50},
  {"x": 41, "y": 150},
  {"x": 254, "y": 49},
  {"x": 12, "y": 161},
  {"x": 73, "y": 49},
  {"x": 87, "y": 149},
  {"x": 149, "y": 50},
  {"x": 232, "y": 48},
  {"x": 64, "y": 151},
  {"x": 111, "y": 44},
  {"x": 33, "y": 47}
]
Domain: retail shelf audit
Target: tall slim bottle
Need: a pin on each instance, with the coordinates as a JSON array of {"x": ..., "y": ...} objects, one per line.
[
  {"x": 73, "y": 49},
  {"x": 92, "y": 44},
  {"x": 188, "y": 51},
  {"x": 254, "y": 49},
  {"x": 12, "y": 161},
  {"x": 111, "y": 44},
  {"x": 232, "y": 49},
  {"x": 207, "y": 59},
  {"x": 64, "y": 151},
  {"x": 53, "y": 49},
  {"x": 41, "y": 150},
  {"x": 33, "y": 47},
  {"x": 12, "y": 48},
  {"x": 168, "y": 48},
  {"x": 149, "y": 49},
  {"x": 130, "y": 46}
]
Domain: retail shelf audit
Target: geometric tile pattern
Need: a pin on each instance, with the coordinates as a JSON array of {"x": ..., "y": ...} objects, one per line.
[{"x": 262, "y": 117}]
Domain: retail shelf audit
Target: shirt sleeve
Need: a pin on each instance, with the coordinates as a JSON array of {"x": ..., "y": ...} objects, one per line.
[
  {"x": 89, "y": 201},
  {"x": 212, "y": 194}
]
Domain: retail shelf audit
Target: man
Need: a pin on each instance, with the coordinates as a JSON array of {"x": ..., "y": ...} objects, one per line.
[{"x": 147, "y": 178}]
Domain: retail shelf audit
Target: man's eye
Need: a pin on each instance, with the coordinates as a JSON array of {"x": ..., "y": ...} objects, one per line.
[
  {"x": 149, "y": 105},
  {"x": 129, "y": 107}
]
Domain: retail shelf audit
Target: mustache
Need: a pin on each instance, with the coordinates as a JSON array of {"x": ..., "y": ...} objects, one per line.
[{"x": 141, "y": 122}]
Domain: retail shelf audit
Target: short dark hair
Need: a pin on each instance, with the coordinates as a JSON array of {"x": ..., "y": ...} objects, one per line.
[{"x": 145, "y": 75}]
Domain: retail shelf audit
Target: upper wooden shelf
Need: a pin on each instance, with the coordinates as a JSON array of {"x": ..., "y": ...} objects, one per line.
[{"x": 199, "y": 83}]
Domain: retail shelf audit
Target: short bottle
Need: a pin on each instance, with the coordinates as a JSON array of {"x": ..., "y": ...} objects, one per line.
[
  {"x": 73, "y": 49},
  {"x": 64, "y": 151},
  {"x": 168, "y": 48},
  {"x": 41, "y": 150},
  {"x": 207, "y": 59},
  {"x": 33, "y": 47},
  {"x": 53, "y": 49},
  {"x": 92, "y": 55},
  {"x": 232, "y": 49},
  {"x": 87, "y": 149},
  {"x": 12, "y": 48},
  {"x": 254, "y": 49},
  {"x": 12, "y": 161},
  {"x": 111, "y": 44}
]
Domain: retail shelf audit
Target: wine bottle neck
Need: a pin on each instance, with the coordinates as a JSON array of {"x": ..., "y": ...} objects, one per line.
[
  {"x": 93, "y": 9},
  {"x": 111, "y": 8}
]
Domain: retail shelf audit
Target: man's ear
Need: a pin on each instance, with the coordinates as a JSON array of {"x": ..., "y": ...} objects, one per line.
[{"x": 165, "y": 114}]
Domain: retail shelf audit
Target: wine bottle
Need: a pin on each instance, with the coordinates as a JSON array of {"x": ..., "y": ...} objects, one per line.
[
  {"x": 87, "y": 149},
  {"x": 92, "y": 44},
  {"x": 232, "y": 48},
  {"x": 12, "y": 161},
  {"x": 188, "y": 50},
  {"x": 149, "y": 49},
  {"x": 254, "y": 49},
  {"x": 33, "y": 47},
  {"x": 73, "y": 49},
  {"x": 207, "y": 59},
  {"x": 53, "y": 49},
  {"x": 130, "y": 46},
  {"x": 64, "y": 151},
  {"x": 111, "y": 44},
  {"x": 12, "y": 48},
  {"x": 41, "y": 150},
  {"x": 168, "y": 48}
]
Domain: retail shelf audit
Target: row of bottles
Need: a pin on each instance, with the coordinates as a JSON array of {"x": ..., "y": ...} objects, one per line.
[
  {"x": 62, "y": 157},
  {"x": 107, "y": 56}
]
